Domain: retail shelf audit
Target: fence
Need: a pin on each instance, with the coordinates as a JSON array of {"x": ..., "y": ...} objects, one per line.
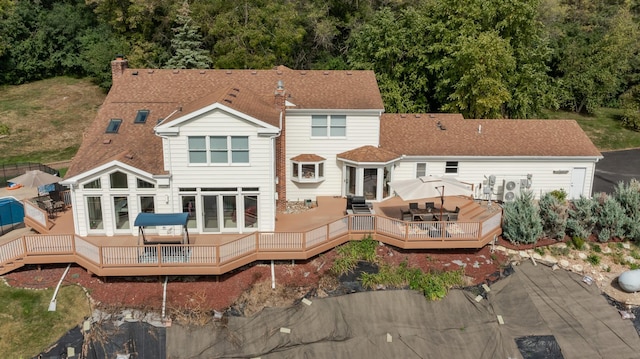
[{"x": 8, "y": 171}]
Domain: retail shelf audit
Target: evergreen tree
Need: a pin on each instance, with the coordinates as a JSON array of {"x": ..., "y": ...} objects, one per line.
[
  {"x": 186, "y": 44},
  {"x": 521, "y": 220}
]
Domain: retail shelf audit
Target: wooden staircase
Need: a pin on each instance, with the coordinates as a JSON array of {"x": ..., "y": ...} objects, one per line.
[{"x": 11, "y": 265}]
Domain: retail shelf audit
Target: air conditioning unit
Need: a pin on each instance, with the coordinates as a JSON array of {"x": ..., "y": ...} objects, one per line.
[{"x": 511, "y": 189}]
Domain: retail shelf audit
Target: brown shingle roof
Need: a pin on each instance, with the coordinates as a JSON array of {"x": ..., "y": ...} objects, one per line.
[
  {"x": 371, "y": 154},
  {"x": 308, "y": 157},
  {"x": 164, "y": 91},
  {"x": 415, "y": 136}
]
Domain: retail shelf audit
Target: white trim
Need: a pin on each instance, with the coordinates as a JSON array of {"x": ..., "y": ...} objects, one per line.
[
  {"x": 332, "y": 111},
  {"x": 500, "y": 158},
  {"x": 105, "y": 167},
  {"x": 170, "y": 128}
]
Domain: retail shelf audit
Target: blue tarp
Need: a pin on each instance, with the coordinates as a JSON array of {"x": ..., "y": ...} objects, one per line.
[{"x": 161, "y": 219}]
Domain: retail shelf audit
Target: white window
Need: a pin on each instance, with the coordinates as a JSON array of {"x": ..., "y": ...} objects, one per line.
[
  {"x": 307, "y": 171},
  {"x": 328, "y": 126},
  {"x": 421, "y": 169},
  {"x": 218, "y": 149},
  {"x": 451, "y": 167}
]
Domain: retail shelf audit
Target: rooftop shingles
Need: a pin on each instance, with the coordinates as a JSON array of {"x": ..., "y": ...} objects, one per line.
[
  {"x": 420, "y": 136},
  {"x": 164, "y": 91},
  {"x": 371, "y": 154},
  {"x": 308, "y": 157}
]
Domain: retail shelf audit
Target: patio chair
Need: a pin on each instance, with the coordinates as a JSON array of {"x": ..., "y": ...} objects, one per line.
[{"x": 405, "y": 215}]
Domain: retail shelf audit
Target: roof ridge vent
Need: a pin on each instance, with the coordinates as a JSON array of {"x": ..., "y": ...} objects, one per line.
[
  {"x": 129, "y": 155},
  {"x": 176, "y": 71},
  {"x": 202, "y": 72},
  {"x": 440, "y": 126},
  {"x": 349, "y": 73},
  {"x": 107, "y": 141},
  {"x": 228, "y": 72},
  {"x": 403, "y": 115},
  {"x": 135, "y": 73},
  {"x": 417, "y": 115},
  {"x": 254, "y": 72},
  {"x": 149, "y": 71},
  {"x": 303, "y": 73},
  {"x": 233, "y": 95},
  {"x": 236, "y": 89},
  {"x": 228, "y": 100},
  {"x": 325, "y": 73},
  {"x": 432, "y": 115}
]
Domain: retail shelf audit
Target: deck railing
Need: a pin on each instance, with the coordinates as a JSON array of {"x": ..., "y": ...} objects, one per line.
[{"x": 216, "y": 259}]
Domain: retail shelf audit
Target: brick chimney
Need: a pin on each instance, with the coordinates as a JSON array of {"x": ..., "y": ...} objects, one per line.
[
  {"x": 281, "y": 150},
  {"x": 118, "y": 66}
]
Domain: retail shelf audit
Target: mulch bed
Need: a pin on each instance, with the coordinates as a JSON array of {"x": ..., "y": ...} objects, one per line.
[{"x": 220, "y": 292}]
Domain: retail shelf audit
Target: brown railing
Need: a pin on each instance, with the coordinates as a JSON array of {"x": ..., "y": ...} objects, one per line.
[{"x": 178, "y": 259}]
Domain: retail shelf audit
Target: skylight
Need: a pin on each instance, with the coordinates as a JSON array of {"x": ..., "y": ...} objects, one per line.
[
  {"x": 114, "y": 125},
  {"x": 141, "y": 117}
]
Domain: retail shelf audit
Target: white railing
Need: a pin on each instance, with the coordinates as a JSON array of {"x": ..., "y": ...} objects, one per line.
[
  {"x": 280, "y": 240},
  {"x": 87, "y": 250},
  {"x": 491, "y": 224},
  {"x": 391, "y": 227},
  {"x": 316, "y": 236},
  {"x": 11, "y": 250},
  {"x": 49, "y": 243},
  {"x": 121, "y": 255},
  {"x": 203, "y": 255},
  {"x": 363, "y": 222},
  {"x": 179, "y": 255},
  {"x": 238, "y": 248}
]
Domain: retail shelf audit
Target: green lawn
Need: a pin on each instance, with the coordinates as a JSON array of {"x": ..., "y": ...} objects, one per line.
[
  {"x": 27, "y": 327},
  {"x": 604, "y": 128}
]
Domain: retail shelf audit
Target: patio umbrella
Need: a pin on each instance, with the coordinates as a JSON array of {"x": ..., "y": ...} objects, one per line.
[
  {"x": 35, "y": 178},
  {"x": 430, "y": 187}
]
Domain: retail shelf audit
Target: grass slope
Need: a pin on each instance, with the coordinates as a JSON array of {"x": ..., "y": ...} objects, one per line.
[
  {"x": 43, "y": 121},
  {"x": 27, "y": 328},
  {"x": 604, "y": 128}
]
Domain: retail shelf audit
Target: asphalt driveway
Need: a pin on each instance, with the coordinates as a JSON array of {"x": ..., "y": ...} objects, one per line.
[{"x": 616, "y": 166}]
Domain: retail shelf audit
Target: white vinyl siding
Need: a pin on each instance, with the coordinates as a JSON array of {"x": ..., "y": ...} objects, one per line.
[
  {"x": 256, "y": 171},
  {"x": 474, "y": 171},
  {"x": 361, "y": 129}
]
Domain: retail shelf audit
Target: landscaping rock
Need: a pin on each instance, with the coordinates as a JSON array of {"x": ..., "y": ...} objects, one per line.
[
  {"x": 577, "y": 268},
  {"x": 582, "y": 256},
  {"x": 629, "y": 281},
  {"x": 564, "y": 263}
]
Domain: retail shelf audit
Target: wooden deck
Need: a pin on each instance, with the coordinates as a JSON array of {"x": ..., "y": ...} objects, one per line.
[{"x": 297, "y": 236}]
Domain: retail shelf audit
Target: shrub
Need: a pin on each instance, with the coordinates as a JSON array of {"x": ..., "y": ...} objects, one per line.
[
  {"x": 577, "y": 242},
  {"x": 594, "y": 259},
  {"x": 349, "y": 254},
  {"x": 596, "y": 248},
  {"x": 559, "y": 194},
  {"x": 581, "y": 217},
  {"x": 628, "y": 195},
  {"x": 611, "y": 219},
  {"x": 553, "y": 214},
  {"x": 432, "y": 285},
  {"x": 521, "y": 221}
]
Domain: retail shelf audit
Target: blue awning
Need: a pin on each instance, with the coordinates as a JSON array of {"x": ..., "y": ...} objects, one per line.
[{"x": 161, "y": 219}]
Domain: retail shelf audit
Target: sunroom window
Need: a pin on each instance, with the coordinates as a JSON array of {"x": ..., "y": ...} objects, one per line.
[{"x": 307, "y": 168}]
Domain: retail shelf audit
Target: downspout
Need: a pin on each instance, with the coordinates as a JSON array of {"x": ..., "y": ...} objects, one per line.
[
  {"x": 164, "y": 296},
  {"x": 168, "y": 154},
  {"x": 275, "y": 162}
]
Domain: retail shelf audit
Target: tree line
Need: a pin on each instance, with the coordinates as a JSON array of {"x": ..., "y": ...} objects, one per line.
[{"x": 482, "y": 58}]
